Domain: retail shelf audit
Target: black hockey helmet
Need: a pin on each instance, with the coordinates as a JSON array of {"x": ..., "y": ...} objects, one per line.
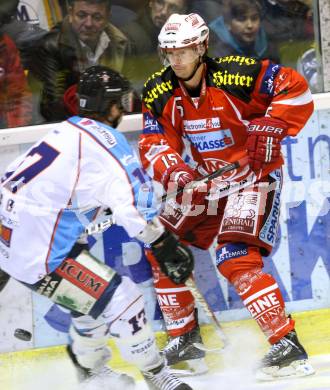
[{"x": 100, "y": 87}]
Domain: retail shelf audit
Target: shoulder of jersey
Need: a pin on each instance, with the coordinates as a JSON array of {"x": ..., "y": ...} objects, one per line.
[
  {"x": 234, "y": 74},
  {"x": 158, "y": 90},
  {"x": 107, "y": 135}
]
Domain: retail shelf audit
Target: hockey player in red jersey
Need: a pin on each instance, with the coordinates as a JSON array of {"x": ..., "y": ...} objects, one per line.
[{"x": 216, "y": 111}]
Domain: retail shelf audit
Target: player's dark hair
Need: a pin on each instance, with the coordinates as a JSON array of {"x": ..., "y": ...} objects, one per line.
[{"x": 238, "y": 8}]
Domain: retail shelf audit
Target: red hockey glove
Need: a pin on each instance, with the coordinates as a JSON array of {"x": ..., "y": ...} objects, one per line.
[
  {"x": 264, "y": 141},
  {"x": 178, "y": 176}
]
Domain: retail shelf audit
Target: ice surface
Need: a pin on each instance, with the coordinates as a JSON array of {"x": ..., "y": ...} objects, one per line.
[{"x": 56, "y": 374}]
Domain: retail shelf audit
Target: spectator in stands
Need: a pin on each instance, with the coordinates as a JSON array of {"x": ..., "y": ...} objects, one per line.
[
  {"x": 143, "y": 32},
  {"x": 15, "y": 96},
  {"x": 209, "y": 9},
  {"x": 289, "y": 24},
  {"x": 143, "y": 35},
  {"x": 288, "y": 20},
  {"x": 240, "y": 32},
  {"x": 84, "y": 38}
]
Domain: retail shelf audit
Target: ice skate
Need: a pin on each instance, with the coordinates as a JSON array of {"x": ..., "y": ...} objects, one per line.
[
  {"x": 161, "y": 378},
  {"x": 185, "y": 348},
  {"x": 102, "y": 376},
  {"x": 285, "y": 358}
]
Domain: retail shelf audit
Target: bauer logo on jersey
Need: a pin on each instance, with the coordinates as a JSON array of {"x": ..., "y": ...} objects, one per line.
[
  {"x": 151, "y": 125},
  {"x": 231, "y": 251},
  {"x": 201, "y": 124},
  {"x": 206, "y": 142}
]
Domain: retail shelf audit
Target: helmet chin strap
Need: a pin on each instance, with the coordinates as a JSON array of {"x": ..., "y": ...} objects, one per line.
[{"x": 198, "y": 64}]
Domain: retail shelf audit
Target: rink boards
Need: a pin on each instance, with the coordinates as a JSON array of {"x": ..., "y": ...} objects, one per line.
[{"x": 300, "y": 261}]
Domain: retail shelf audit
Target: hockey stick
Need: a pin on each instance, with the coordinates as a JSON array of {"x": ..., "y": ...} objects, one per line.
[
  {"x": 199, "y": 298},
  {"x": 94, "y": 228},
  {"x": 208, "y": 178}
]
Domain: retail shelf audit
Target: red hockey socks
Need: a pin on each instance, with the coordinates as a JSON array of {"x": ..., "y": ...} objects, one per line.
[
  {"x": 175, "y": 300},
  {"x": 263, "y": 299}
]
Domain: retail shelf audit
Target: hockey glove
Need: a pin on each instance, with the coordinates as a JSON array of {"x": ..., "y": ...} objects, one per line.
[
  {"x": 264, "y": 141},
  {"x": 179, "y": 175},
  {"x": 175, "y": 259},
  {"x": 183, "y": 177}
]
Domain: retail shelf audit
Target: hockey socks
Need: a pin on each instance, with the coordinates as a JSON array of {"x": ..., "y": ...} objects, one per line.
[
  {"x": 175, "y": 301},
  {"x": 263, "y": 299}
]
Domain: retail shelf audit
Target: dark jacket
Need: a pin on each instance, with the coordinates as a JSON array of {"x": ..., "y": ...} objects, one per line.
[
  {"x": 142, "y": 34},
  {"x": 143, "y": 37},
  {"x": 15, "y": 96},
  {"x": 223, "y": 43},
  {"x": 59, "y": 60},
  {"x": 287, "y": 21}
]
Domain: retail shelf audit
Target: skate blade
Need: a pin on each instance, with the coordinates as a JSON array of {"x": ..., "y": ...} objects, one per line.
[
  {"x": 298, "y": 368},
  {"x": 190, "y": 368}
]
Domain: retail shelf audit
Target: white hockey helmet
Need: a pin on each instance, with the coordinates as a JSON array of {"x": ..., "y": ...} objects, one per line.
[{"x": 182, "y": 31}]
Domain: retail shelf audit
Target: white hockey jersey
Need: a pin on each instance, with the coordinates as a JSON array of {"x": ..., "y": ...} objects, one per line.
[{"x": 56, "y": 188}]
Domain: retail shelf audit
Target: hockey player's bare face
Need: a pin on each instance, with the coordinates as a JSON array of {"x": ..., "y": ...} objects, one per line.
[
  {"x": 115, "y": 115},
  {"x": 88, "y": 21},
  {"x": 183, "y": 61}
]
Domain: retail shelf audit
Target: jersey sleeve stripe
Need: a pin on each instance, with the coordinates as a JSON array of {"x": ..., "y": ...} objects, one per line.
[
  {"x": 61, "y": 211},
  {"x": 300, "y": 100}
]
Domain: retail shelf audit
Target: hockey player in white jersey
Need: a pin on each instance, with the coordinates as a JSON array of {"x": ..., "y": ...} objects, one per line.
[{"x": 50, "y": 194}]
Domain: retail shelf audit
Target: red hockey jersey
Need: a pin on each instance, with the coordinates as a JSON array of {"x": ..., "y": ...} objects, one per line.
[{"x": 212, "y": 128}]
